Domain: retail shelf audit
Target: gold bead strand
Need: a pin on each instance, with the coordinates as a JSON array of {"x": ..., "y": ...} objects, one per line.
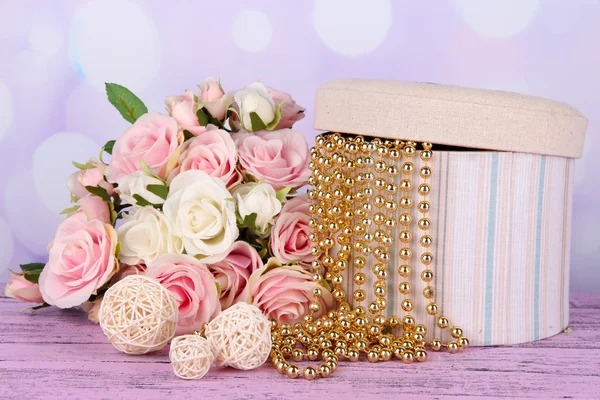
[
  {"x": 427, "y": 259},
  {"x": 385, "y": 239},
  {"x": 380, "y": 251},
  {"x": 321, "y": 198},
  {"x": 407, "y": 349}
]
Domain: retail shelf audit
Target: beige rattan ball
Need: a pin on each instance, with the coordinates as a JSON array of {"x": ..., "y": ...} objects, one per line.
[
  {"x": 240, "y": 337},
  {"x": 138, "y": 315},
  {"x": 190, "y": 356}
]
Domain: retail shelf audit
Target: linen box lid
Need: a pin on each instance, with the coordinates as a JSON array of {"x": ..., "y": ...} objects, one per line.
[{"x": 450, "y": 115}]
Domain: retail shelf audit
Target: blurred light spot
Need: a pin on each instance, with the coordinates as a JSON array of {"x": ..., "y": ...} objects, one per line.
[
  {"x": 32, "y": 224},
  {"x": 6, "y": 111},
  {"x": 29, "y": 69},
  {"x": 352, "y": 27},
  {"x": 114, "y": 41},
  {"x": 497, "y": 18},
  {"x": 45, "y": 36},
  {"x": 52, "y": 165},
  {"x": 82, "y": 109},
  {"x": 252, "y": 31},
  {"x": 7, "y": 246}
]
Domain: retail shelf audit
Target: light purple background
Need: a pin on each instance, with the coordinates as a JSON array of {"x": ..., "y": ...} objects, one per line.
[{"x": 55, "y": 57}]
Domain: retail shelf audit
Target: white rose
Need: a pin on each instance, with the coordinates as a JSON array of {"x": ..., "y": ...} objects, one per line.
[
  {"x": 137, "y": 183},
  {"x": 255, "y": 98},
  {"x": 202, "y": 213},
  {"x": 144, "y": 235},
  {"x": 260, "y": 199}
]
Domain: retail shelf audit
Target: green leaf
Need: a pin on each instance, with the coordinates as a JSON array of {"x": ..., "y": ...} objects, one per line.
[
  {"x": 108, "y": 146},
  {"x": 32, "y": 266},
  {"x": 250, "y": 221},
  {"x": 203, "y": 119},
  {"x": 113, "y": 213},
  {"x": 273, "y": 124},
  {"x": 142, "y": 202},
  {"x": 262, "y": 253},
  {"x": 127, "y": 103},
  {"x": 325, "y": 284},
  {"x": 99, "y": 191},
  {"x": 257, "y": 122},
  {"x": 83, "y": 166},
  {"x": 160, "y": 190},
  {"x": 118, "y": 249},
  {"x": 70, "y": 210},
  {"x": 281, "y": 194},
  {"x": 145, "y": 167},
  {"x": 33, "y": 276},
  {"x": 219, "y": 290},
  {"x": 187, "y": 135}
]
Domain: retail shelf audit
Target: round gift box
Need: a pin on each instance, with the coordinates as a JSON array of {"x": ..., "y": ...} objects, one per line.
[{"x": 501, "y": 220}]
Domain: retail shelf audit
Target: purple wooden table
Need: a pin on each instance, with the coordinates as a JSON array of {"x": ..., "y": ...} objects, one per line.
[{"x": 58, "y": 354}]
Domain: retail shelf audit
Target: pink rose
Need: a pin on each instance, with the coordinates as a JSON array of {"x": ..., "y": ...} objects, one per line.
[
  {"x": 82, "y": 259},
  {"x": 289, "y": 236},
  {"x": 213, "y": 98},
  {"x": 279, "y": 158},
  {"x": 284, "y": 293},
  {"x": 154, "y": 138},
  {"x": 183, "y": 109},
  {"x": 193, "y": 286},
  {"x": 213, "y": 152},
  {"x": 89, "y": 177},
  {"x": 290, "y": 111},
  {"x": 21, "y": 289},
  {"x": 233, "y": 272},
  {"x": 94, "y": 208}
]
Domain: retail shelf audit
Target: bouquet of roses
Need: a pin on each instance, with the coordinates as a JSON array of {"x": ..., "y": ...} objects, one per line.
[{"x": 202, "y": 200}]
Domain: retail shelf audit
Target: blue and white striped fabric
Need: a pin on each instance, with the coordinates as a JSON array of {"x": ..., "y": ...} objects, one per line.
[{"x": 501, "y": 224}]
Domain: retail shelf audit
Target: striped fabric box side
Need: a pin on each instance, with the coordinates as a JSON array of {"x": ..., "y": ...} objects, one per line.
[{"x": 501, "y": 229}]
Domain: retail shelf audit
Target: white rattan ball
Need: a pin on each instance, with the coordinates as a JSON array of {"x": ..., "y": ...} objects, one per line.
[
  {"x": 190, "y": 356},
  {"x": 240, "y": 337},
  {"x": 138, "y": 315}
]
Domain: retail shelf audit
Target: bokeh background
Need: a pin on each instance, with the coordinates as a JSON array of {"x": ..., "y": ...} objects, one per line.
[{"x": 56, "y": 55}]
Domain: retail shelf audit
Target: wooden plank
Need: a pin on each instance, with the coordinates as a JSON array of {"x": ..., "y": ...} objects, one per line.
[{"x": 58, "y": 354}]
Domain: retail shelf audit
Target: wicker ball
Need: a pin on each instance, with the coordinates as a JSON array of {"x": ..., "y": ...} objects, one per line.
[
  {"x": 138, "y": 315},
  {"x": 190, "y": 356},
  {"x": 240, "y": 337}
]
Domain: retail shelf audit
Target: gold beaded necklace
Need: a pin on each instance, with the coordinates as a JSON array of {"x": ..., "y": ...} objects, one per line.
[{"x": 355, "y": 214}]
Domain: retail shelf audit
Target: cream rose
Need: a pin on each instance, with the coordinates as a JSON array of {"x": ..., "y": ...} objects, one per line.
[
  {"x": 255, "y": 98},
  {"x": 260, "y": 199},
  {"x": 201, "y": 212},
  {"x": 145, "y": 235},
  {"x": 137, "y": 184}
]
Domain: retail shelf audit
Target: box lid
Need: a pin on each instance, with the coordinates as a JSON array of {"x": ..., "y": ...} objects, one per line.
[{"x": 450, "y": 115}]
